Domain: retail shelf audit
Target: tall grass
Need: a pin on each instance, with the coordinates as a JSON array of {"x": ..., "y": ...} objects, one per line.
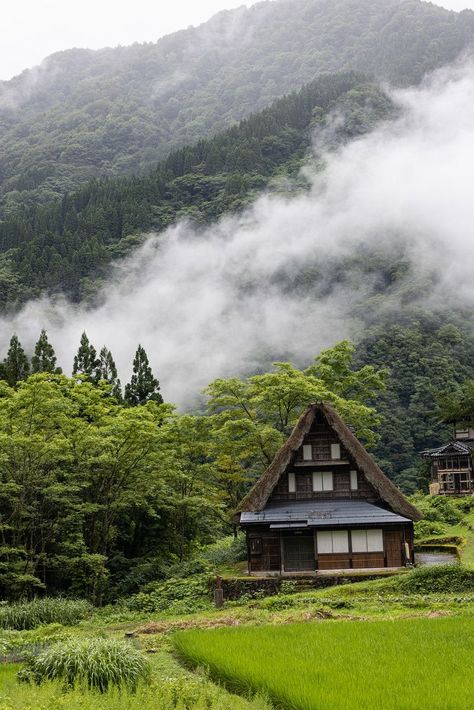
[
  {"x": 29, "y": 615},
  {"x": 92, "y": 664},
  {"x": 344, "y": 665},
  {"x": 161, "y": 693}
]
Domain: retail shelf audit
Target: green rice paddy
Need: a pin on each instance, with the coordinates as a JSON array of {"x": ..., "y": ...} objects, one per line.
[{"x": 343, "y": 665}]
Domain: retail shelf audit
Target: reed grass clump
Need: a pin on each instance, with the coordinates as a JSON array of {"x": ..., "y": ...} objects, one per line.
[
  {"x": 22, "y": 616},
  {"x": 89, "y": 664}
]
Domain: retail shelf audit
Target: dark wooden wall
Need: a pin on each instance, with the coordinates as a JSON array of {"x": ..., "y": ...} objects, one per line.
[
  {"x": 341, "y": 479},
  {"x": 269, "y": 560}
]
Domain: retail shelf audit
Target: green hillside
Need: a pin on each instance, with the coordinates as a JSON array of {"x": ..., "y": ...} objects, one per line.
[
  {"x": 63, "y": 246},
  {"x": 68, "y": 246},
  {"x": 85, "y": 113}
]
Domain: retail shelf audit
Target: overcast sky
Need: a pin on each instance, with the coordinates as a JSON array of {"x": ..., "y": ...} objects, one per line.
[{"x": 33, "y": 29}]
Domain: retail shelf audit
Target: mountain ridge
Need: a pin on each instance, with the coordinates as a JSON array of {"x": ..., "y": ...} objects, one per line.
[{"x": 117, "y": 111}]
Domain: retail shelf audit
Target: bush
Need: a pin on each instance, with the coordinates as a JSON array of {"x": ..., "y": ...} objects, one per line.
[
  {"x": 436, "y": 579},
  {"x": 424, "y": 528},
  {"x": 227, "y": 551},
  {"x": 439, "y": 509},
  {"x": 15, "y": 646},
  {"x": 29, "y": 615},
  {"x": 174, "y": 596},
  {"x": 92, "y": 664}
]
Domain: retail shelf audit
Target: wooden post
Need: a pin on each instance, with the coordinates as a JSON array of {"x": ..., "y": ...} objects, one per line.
[{"x": 218, "y": 594}]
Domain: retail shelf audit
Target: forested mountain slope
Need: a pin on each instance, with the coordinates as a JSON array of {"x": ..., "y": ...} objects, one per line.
[
  {"x": 115, "y": 111},
  {"x": 67, "y": 246}
]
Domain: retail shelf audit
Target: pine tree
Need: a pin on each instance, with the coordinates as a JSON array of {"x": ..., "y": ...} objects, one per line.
[
  {"x": 44, "y": 359},
  {"x": 107, "y": 371},
  {"x": 86, "y": 362},
  {"x": 15, "y": 366},
  {"x": 143, "y": 386}
]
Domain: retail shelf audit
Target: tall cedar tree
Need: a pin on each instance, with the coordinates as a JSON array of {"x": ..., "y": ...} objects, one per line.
[
  {"x": 44, "y": 359},
  {"x": 15, "y": 366},
  {"x": 107, "y": 371},
  {"x": 86, "y": 362},
  {"x": 143, "y": 386}
]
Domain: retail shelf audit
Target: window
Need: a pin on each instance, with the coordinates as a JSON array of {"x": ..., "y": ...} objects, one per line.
[
  {"x": 332, "y": 541},
  {"x": 256, "y": 545},
  {"x": 291, "y": 483},
  {"x": 335, "y": 451},
  {"x": 323, "y": 481},
  {"x": 354, "y": 482},
  {"x": 307, "y": 452},
  {"x": 367, "y": 540}
]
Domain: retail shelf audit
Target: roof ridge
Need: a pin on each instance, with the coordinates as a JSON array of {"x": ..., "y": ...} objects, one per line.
[{"x": 258, "y": 496}]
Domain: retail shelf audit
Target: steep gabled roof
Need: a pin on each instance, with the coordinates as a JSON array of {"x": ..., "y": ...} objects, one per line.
[
  {"x": 258, "y": 497},
  {"x": 463, "y": 447}
]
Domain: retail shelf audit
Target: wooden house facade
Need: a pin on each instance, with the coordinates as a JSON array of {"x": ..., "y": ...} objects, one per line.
[
  {"x": 451, "y": 465},
  {"x": 324, "y": 504}
]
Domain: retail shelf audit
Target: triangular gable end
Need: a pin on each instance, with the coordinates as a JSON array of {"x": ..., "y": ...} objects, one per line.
[
  {"x": 453, "y": 447},
  {"x": 258, "y": 497}
]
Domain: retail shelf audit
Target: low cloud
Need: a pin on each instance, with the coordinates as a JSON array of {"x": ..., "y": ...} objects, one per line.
[{"x": 233, "y": 297}]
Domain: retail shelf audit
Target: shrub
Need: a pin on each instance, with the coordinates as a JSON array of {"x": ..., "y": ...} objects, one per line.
[
  {"x": 436, "y": 579},
  {"x": 29, "y": 615},
  {"x": 227, "y": 551},
  {"x": 439, "y": 509},
  {"x": 423, "y": 528},
  {"x": 15, "y": 646},
  {"x": 288, "y": 586},
  {"x": 92, "y": 664},
  {"x": 174, "y": 596}
]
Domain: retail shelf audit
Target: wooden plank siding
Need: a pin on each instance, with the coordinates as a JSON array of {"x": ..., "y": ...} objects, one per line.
[
  {"x": 272, "y": 556},
  {"x": 341, "y": 481},
  {"x": 393, "y": 547}
]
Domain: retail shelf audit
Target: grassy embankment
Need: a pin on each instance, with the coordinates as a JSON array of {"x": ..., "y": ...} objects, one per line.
[{"x": 465, "y": 529}]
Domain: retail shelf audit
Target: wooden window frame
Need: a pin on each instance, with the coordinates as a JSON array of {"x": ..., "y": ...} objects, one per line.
[
  {"x": 354, "y": 479},
  {"x": 307, "y": 449},
  {"x": 256, "y": 545},
  {"x": 336, "y": 447},
  {"x": 366, "y": 531},
  {"x": 320, "y": 475},
  {"x": 331, "y": 533}
]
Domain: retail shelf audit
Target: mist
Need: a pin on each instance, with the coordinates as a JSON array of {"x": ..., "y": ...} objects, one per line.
[{"x": 229, "y": 299}]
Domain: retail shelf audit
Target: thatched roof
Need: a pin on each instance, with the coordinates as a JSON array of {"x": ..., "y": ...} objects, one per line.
[{"x": 257, "y": 498}]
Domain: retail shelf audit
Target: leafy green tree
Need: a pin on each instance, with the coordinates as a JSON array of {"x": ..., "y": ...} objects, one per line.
[
  {"x": 15, "y": 366},
  {"x": 86, "y": 361},
  {"x": 187, "y": 464},
  {"x": 458, "y": 407},
  {"x": 335, "y": 367},
  {"x": 107, "y": 372},
  {"x": 251, "y": 417},
  {"x": 143, "y": 386},
  {"x": 44, "y": 358},
  {"x": 79, "y": 474}
]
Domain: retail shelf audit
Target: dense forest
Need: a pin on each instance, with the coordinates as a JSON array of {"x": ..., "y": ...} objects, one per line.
[
  {"x": 64, "y": 246},
  {"x": 102, "y": 492},
  {"x": 85, "y": 114},
  {"x": 100, "y": 495}
]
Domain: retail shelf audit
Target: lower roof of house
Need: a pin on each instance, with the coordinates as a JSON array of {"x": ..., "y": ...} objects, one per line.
[{"x": 321, "y": 513}]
